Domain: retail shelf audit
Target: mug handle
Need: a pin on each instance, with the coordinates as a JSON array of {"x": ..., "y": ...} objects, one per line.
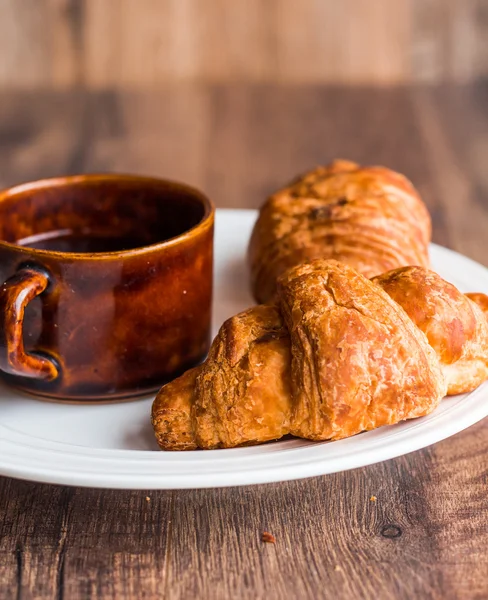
[{"x": 15, "y": 295}]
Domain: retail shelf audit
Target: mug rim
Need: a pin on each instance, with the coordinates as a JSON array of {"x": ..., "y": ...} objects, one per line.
[{"x": 60, "y": 181}]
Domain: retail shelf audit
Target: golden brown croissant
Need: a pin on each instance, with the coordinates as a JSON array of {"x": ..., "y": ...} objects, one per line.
[
  {"x": 453, "y": 322},
  {"x": 370, "y": 218},
  {"x": 340, "y": 355}
]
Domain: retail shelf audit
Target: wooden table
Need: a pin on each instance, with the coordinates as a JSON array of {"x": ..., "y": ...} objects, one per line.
[{"x": 426, "y": 536}]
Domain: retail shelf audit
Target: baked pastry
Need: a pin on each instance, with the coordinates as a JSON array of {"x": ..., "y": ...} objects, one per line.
[
  {"x": 339, "y": 354},
  {"x": 480, "y": 299},
  {"x": 240, "y": 394},
  {"x": 454, "y": 323},
  {"x": 370, "y": 218}
]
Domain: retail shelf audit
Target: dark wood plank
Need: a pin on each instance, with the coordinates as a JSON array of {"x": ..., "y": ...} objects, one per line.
[
  {"x": 331, "y": 539},
  {"x": 58, "y": 43},
  {"x": 458, "y": 506},
  {"x": 454, "y": 125},
  {"x": 426, "y": 536},
  {"x": 163, "y": 133},
  {"x": 41, "y": 135},
  {"x": 82, "y": 543},
  {"x": 262, "y": 136}
]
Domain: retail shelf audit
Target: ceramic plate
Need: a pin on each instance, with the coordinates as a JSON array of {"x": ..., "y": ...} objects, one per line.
[{"x": 112, "y": 445}]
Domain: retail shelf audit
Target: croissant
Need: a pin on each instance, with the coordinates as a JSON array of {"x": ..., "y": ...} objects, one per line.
[
  {"x": 370, "y": 218},
  {"x": 455, "y": 324},
  {"x": 339, "y": 354}
]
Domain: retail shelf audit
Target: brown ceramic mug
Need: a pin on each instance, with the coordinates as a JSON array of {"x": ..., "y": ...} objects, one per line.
[{"x": 108, "y": 284}]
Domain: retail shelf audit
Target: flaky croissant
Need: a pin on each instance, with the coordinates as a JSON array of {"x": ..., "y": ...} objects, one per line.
[
  {"x": 370, "y": 218},
  {"x": 456, "y": 324},
  {"x": 339, "y": 354}
]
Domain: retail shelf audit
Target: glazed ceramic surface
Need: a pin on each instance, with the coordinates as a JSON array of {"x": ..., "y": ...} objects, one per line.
[
  {"x": 108, "y": 284},
  {"x": 113, "y": 445}
]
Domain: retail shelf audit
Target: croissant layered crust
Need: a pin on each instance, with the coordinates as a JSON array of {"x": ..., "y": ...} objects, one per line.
[
  {"x": 456, "y": 324},
  {"x": 240, "y": 394},
  {"x": 370, "y": 218},
  {"x": 336, "y": 355},
  {"x": 358, "y": 361}
]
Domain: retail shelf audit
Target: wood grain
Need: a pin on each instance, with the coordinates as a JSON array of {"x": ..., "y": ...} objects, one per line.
[
  {"x": 59, "y": 44},
  {"x": 426, "y": 535}
]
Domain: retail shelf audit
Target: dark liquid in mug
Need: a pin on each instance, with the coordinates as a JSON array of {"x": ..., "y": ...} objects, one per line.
[{"x": 86, "y": 242}]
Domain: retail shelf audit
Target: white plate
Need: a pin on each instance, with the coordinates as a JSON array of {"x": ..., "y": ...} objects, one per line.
[{"x": 113, "y": 446}]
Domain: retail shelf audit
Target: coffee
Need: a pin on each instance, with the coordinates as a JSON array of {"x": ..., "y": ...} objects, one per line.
[{"x": 85, "y": 242}]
